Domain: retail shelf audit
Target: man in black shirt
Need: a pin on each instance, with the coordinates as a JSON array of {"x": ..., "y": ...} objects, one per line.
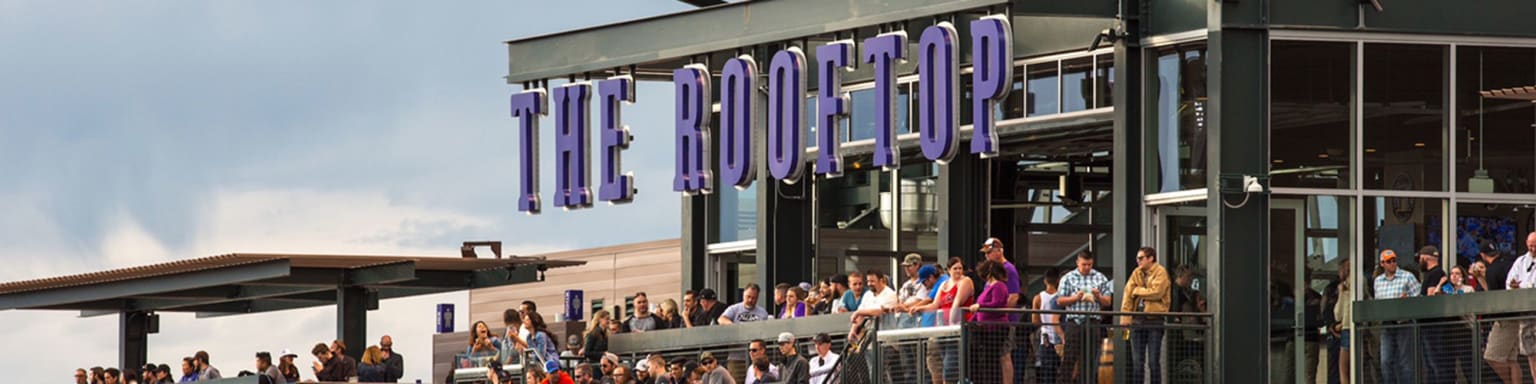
[
  {"x": 1434, "y": 337},
  {"x": 710, "y": 308},
  {"x": 1502, "y": 348},
  {"x": 333, "y": 366}
]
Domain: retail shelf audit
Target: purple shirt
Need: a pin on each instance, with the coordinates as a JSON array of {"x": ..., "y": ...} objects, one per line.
[
  {"x": 993, "y": 296},
  {"x": 1013, "y": 287}
]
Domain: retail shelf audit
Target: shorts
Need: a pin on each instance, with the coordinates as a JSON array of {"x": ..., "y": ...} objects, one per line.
[
  {"x": 1502, "y": 346},
  {"x": 1010, "y": 340},
  {"x": 1528, "y": 337},
  {"x": 1344, "y": 339}
]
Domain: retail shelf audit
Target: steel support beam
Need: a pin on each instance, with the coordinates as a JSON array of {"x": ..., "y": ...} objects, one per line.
[
  {"x": 964, "y": 218},
  {"x": 133, "y": 338},
  {"x": 352, "y": 319},
  {"x": 783, "y": 234},
  {"x": 1238, "y": 137},
  {"x": 1126, "y": 189}
]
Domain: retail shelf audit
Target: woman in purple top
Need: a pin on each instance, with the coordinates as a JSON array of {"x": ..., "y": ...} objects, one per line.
[
  {"x": 794, "y": 304},
  {"x": 994, "y": 295}
]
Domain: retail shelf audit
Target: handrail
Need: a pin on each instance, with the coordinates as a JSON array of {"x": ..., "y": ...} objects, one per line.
[
  {"x": 1093, "y": 313},
  {"x": 1441, "y": 306}
]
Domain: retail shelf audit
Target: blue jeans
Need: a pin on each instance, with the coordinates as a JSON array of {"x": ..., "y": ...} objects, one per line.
[
  {"x": 1396, "y": 356},
  {"x": 1146, "y": 351},
  {"x": 1437, "y": 366}
]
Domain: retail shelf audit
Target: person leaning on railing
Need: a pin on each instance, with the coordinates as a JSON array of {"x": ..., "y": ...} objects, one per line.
[
  {"x": 1082, "y": 290},
  {"x": 1146, "y": 291}
]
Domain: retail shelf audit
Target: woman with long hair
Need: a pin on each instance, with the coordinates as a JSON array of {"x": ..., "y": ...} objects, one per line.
[
  {"x": 669, "y": 316},
  {"x": 955, "y": 295},
  {"x": 371, "y": 369},
  {"x": 794, "y": 304},
  {"x": 481, "y": 343},
  {"x": 541, "y": 342},
  {"x": 596, "y": 340}
]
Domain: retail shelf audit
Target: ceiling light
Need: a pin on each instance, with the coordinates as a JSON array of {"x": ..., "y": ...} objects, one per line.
[
  {"x": 1278, "y": 161},
  {"x": 1370, "y": 150},
  {"x": 1418, "y": 145},
  {"x": 1322, "y": 155}
]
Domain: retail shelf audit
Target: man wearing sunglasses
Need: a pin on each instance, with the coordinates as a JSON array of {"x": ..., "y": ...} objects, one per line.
[{"x": 1395, "y": 283}]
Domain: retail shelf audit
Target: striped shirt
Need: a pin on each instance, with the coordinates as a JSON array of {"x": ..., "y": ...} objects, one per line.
[
  {"x": 1400, "y": 284},
  {"x": 1073, "y": 282}
]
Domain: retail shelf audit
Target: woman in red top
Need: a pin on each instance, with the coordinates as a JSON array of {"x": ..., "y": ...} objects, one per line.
[{"x": 955, "y": 295}]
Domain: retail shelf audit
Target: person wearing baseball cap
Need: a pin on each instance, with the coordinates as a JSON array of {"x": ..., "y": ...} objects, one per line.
[
  {"x": 913, "y": 292},
  {"x": 1395, "y": 283},
  {"x": 709, "y": 309},
  {"x": 795, "y": 369},
  {"x": 821, "y": 365}
]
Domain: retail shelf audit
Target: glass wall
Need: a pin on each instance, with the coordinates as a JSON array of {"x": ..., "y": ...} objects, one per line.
[
  {"x": 1495, "y": 142},
  {"x": 1404, "y": 113},
  {"x": 1403, "y": 225},
  {"x": 1176, "y": 131},
  {"x": 1041, "y": 81},
  {"x": 1311, "y": 114},
  {"x": 1077, "y": 84},
  {"x": 738, "y": 213}
]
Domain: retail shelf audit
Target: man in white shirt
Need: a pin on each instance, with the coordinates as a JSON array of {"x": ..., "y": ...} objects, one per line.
[
  {"x": 821, "y": 365},
  {"x": 1521, "y": 276},
  {"x": 879, "y": 300}
]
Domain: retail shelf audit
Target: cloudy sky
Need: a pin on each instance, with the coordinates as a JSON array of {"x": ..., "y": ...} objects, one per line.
[{"x": 143, "y": 132}]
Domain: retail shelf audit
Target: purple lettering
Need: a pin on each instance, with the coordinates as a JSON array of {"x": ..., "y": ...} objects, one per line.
[
  {"x": 617, "y": 186},
  {"x": 832, "y": 105},
  {"x": 693, "y": 110},
  {"x": 527, "y": 106},
  {"x": 992, "y": 61},
  {"x": 738, "y": 97},
  {"x": 938, "y": 68},
  {"x": 885, "y": 51},
  {"x": 573, "y": 107},
  {"x": 786, "y": 121}
]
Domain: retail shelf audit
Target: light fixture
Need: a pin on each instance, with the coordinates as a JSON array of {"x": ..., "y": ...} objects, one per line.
[
  {"x": 1370, "y": 150},
  {"x": 1322, "y": 155},
  {"x": 1278, "y": 161},
  {"x": 1418, "y": 145}
]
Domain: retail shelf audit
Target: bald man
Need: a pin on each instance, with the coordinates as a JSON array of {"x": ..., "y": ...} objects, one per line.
[{"x": 394, "y": 364}]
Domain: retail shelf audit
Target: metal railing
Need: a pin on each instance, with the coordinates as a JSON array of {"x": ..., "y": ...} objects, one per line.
[
  {"x": 1469, "y": 338},
  {"x": 1088, "y": 347}
]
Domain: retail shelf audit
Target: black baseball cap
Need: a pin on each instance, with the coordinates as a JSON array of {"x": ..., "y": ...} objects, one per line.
[
  {"x": 1430, "y": 250},
  {"x": 707, "y": 294},
  {"x": 822, "y": 338},
  {"x": 1487, "y": 248}
]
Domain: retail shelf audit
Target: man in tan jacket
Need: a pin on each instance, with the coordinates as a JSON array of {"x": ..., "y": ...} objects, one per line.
[{"x": 1147, "y": 290}]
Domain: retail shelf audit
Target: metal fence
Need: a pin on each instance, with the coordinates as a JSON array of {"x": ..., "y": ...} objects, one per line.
[
  {"x": 1088, "y": 347},
  {"x": 1469, "y": 349}
]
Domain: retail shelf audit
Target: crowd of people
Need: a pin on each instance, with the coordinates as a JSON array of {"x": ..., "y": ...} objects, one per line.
[
  {"x": 930, "y": 295},
  {"x": 379, "y": 364},
  {"x": 1441, "y": 356}
]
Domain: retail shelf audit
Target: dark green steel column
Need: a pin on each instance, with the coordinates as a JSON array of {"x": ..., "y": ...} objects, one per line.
[
  {"x": 963, "y": 217},
  {"x": 1238, "y": 133},
  {"x": 352, "y": 319},
  {"x": 1127, "y": 191},
  {"x": 783, "y": 234},
  {"x": 132, "y": 339}
]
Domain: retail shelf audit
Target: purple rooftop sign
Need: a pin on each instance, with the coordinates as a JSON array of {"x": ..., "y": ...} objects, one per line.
[{"x": 742, "y": 108}]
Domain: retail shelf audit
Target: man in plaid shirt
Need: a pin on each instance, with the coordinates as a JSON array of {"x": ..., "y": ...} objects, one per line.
[
  {"x": 1082, "y": 289},
  {"x": 1395, "y": 283}
]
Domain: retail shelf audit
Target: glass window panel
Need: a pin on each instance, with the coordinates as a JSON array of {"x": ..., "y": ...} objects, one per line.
[
  {"x": 1504, "y": 224},
  {"x": 1494, "y": 138},
  {"x": 1405, "y": 100},
  {"x": 1076, "y": 84},
  {"x": 738, "y": 213},
  {"x": 1401, "y": 224},
  {"x": 863, "y": 118},
  {"x": 1104, "y": 81},
  {"x": 920, "y": 206},
  {"x": 1178, "y": 129},
  {"x": 1013, "y": 106},
  {"x": 1043, "y": 96},
  {"x": 1310, "y": 114}
]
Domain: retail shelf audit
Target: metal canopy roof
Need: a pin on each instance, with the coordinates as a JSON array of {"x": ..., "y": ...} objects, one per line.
[
  {"x": 250, "y": 283},
  {"x": 659, "y": 44}
]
